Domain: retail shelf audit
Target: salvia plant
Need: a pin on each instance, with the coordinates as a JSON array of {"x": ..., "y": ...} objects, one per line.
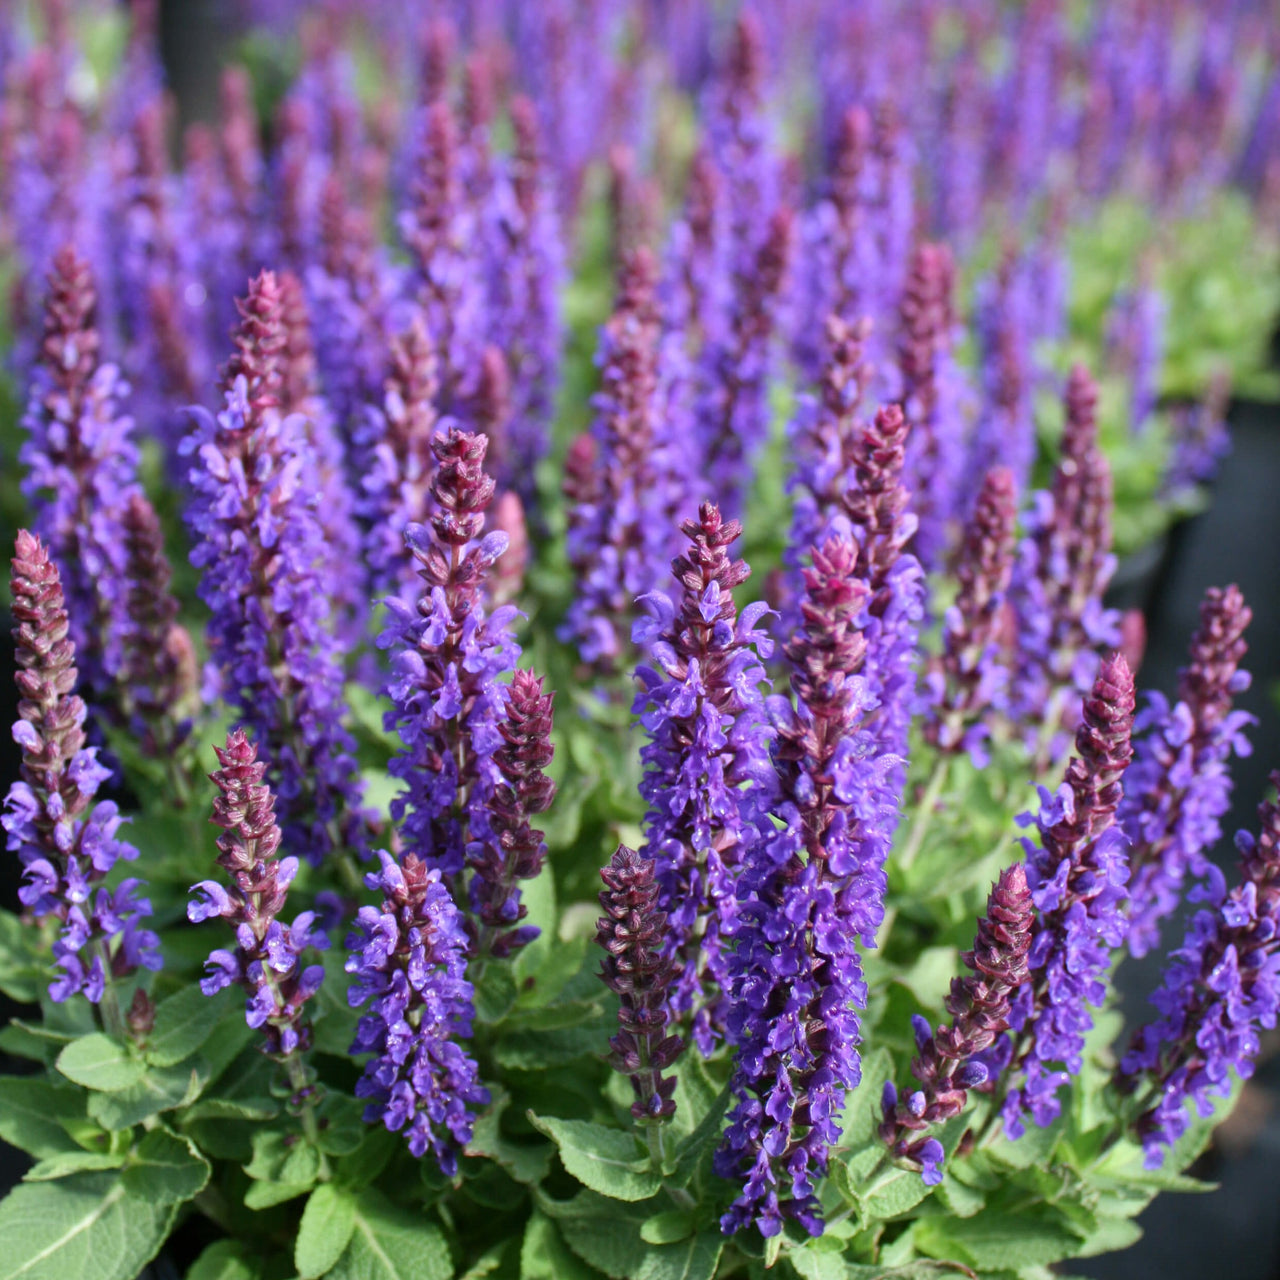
[{"x": 569, "y": 720}]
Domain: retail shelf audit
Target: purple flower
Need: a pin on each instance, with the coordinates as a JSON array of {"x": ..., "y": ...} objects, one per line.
[
  {"x": 66, "y": 844},
  {"x": 260, "y": 545},
  {"x": 620, "y": 538},
  {"x": 1178, "y": 786},
  {"x": 949, "y": 1061},
  {"x": 267, "y": 960},
  {"x": 811, "y": 888},
  {"x": 638, "y": 968},
  {"x": 1220, "y": 988},
  {"x": 1077, "y": 874},
  {"x": 158, "y": 672},
  {"x": 1064, "y": 564},
  {"x": 408, "y": 957},
  {"x": 968, "y": 677},
  {"x": 81, "y": 466},
  {"x": 706, "y": 764}
]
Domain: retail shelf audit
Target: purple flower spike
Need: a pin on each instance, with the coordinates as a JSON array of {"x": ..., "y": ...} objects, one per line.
[
  {"x": 620, "y": 538},
  {"x": 932, "y": 398},
  {"x": 66, "y": 844},
  {"x": 260, "y": 544},
  {"x": 637, "y": 967},
  {"x": 159, "y": 676},
  {"x": 268, "y": 958},
  {"x": 1179, "y": 786},
  {"x": 968, "y": 677},
  {"x": 1064, "y": 565},
  {"x": 811, "y": 888},
  {"x": 706, "y": 765},
  {"x": 409, "y": 957},
  {"x": 1220, "y": 988},
  {"x": 947, "y": 1064},
  {"x": 1077, "y": 874},
  {"x": 81, "y": 465}
]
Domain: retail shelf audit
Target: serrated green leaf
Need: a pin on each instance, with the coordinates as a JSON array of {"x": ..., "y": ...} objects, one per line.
[
  {"x": 264, "y": 1195},
  {"x": 165, "y": 1169},
  {"x": 1110, "y": 1236},
  {"x": 185, "y": 1021},
  {"x": 960, "y": 1199},
  {"x": 606, "y": 1160},
  {"x": 158, "y": 1090},
  {"x": 693, "y": 1259},
  {"x": 228, "y": 1260},
  {"x": 545, "y": 1256},
  {"x": 65, "y": 1163},
  {"x": 34, "y": 1115},
  {"x": 893, "y": 1193},
  {"x": 86, "y": 1225},
  {"x": 98, "y": 1062},
  {"x": 390, "y": 1243},
  {"x": 525, "y": 1162},
  {"x": 325, "y": 1230},
  {"x": 283, "y": 1157},
  {"x": 995, "y": 1241}
]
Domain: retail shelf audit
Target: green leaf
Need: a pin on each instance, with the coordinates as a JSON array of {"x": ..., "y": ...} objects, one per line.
[
  {"x": 699, "y": 1146},
  {"x": 495, "y": 994},
  {"x": 184, "y": 1022},
  {"x": 98, "y": 1062},
  {"x": 20, "y": 976},
  {"x": 606, "y": 1160},
  {"x": 34, "y": 1114},
  {"x": 861, "y": 1113},
  {"x": 160, "y": 1089},
  {"x": 893, "y": 1193},
  {"x": 87, "y": 1225},
  {"x": 65, "y": 1163},
  {"x": 227, "y": 1260},
  {"x": 264, "y": 1195},
  {"x": 545, "y": 1256},
  {"x": 390, "y": 1243},
  {"x": 669, "y": 1227},
  {"x": 165, "y": 1169},
  {"x": 694, "y": 1259},
  {"x": 537, "y": 1050},
  {"x": 1111, "y": 1235},
  {"x": 995, "y": 1241},
  {"x": 524, "y": 1162},
  {"x": 325, "y": 1230}
]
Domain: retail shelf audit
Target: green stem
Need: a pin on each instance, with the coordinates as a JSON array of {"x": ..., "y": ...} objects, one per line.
[
  {"x": 109, "y": 1005},
  {"x": 925, "y": 811}
]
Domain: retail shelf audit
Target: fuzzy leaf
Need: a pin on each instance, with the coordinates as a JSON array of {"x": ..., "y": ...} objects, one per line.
[
  {"x": 184, "y": 1022},
  {"x": 161, "y": 1089},
  {"x": 165, "y": 1169},
  {"x": 390, "y": 1243},
  {"x": 893, "y": 1193},
  {"x": 524, "y": 1162},
  {"x": 85, "y": 1226},
  {"x": 668, "y": 1228},
  {"x": 995, "y": 1241},
  {"x": 34, "y": 1114},
  {"x": 325, "y": 1230},
  {"x": 65, "y": 1163},
  {"x": 606, "y": 1160},
  {"x": 98, "y": 1062},
  {"x": 227, "y": 1260},
  {"x": 20, "y": 976},
  {"x": 545, "y": 1256}
]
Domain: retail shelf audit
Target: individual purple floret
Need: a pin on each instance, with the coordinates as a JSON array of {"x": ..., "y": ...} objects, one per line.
[
  {"x": 260, "y": 546},
  {"x": 409, "y": 958},
  {"x": 639, "y": 969},
  {"x": 620, "y": 542},
  {"x": 707, "y": 771},
  {"x": 80, "y": 469},
  {"x": 267, "y": 960},
  {"x": 811, "y": 888},
  {"x": 66, "y": 844},
  {"x": 1077, "y": 873},
  {"x": 1064, "y": 565},
  {"x": 1219, "y": 989},
  {"x": 947, "y": 1063},
  {"x": 1179, "y": 785},
  {"x": 968, "y": 677}
]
